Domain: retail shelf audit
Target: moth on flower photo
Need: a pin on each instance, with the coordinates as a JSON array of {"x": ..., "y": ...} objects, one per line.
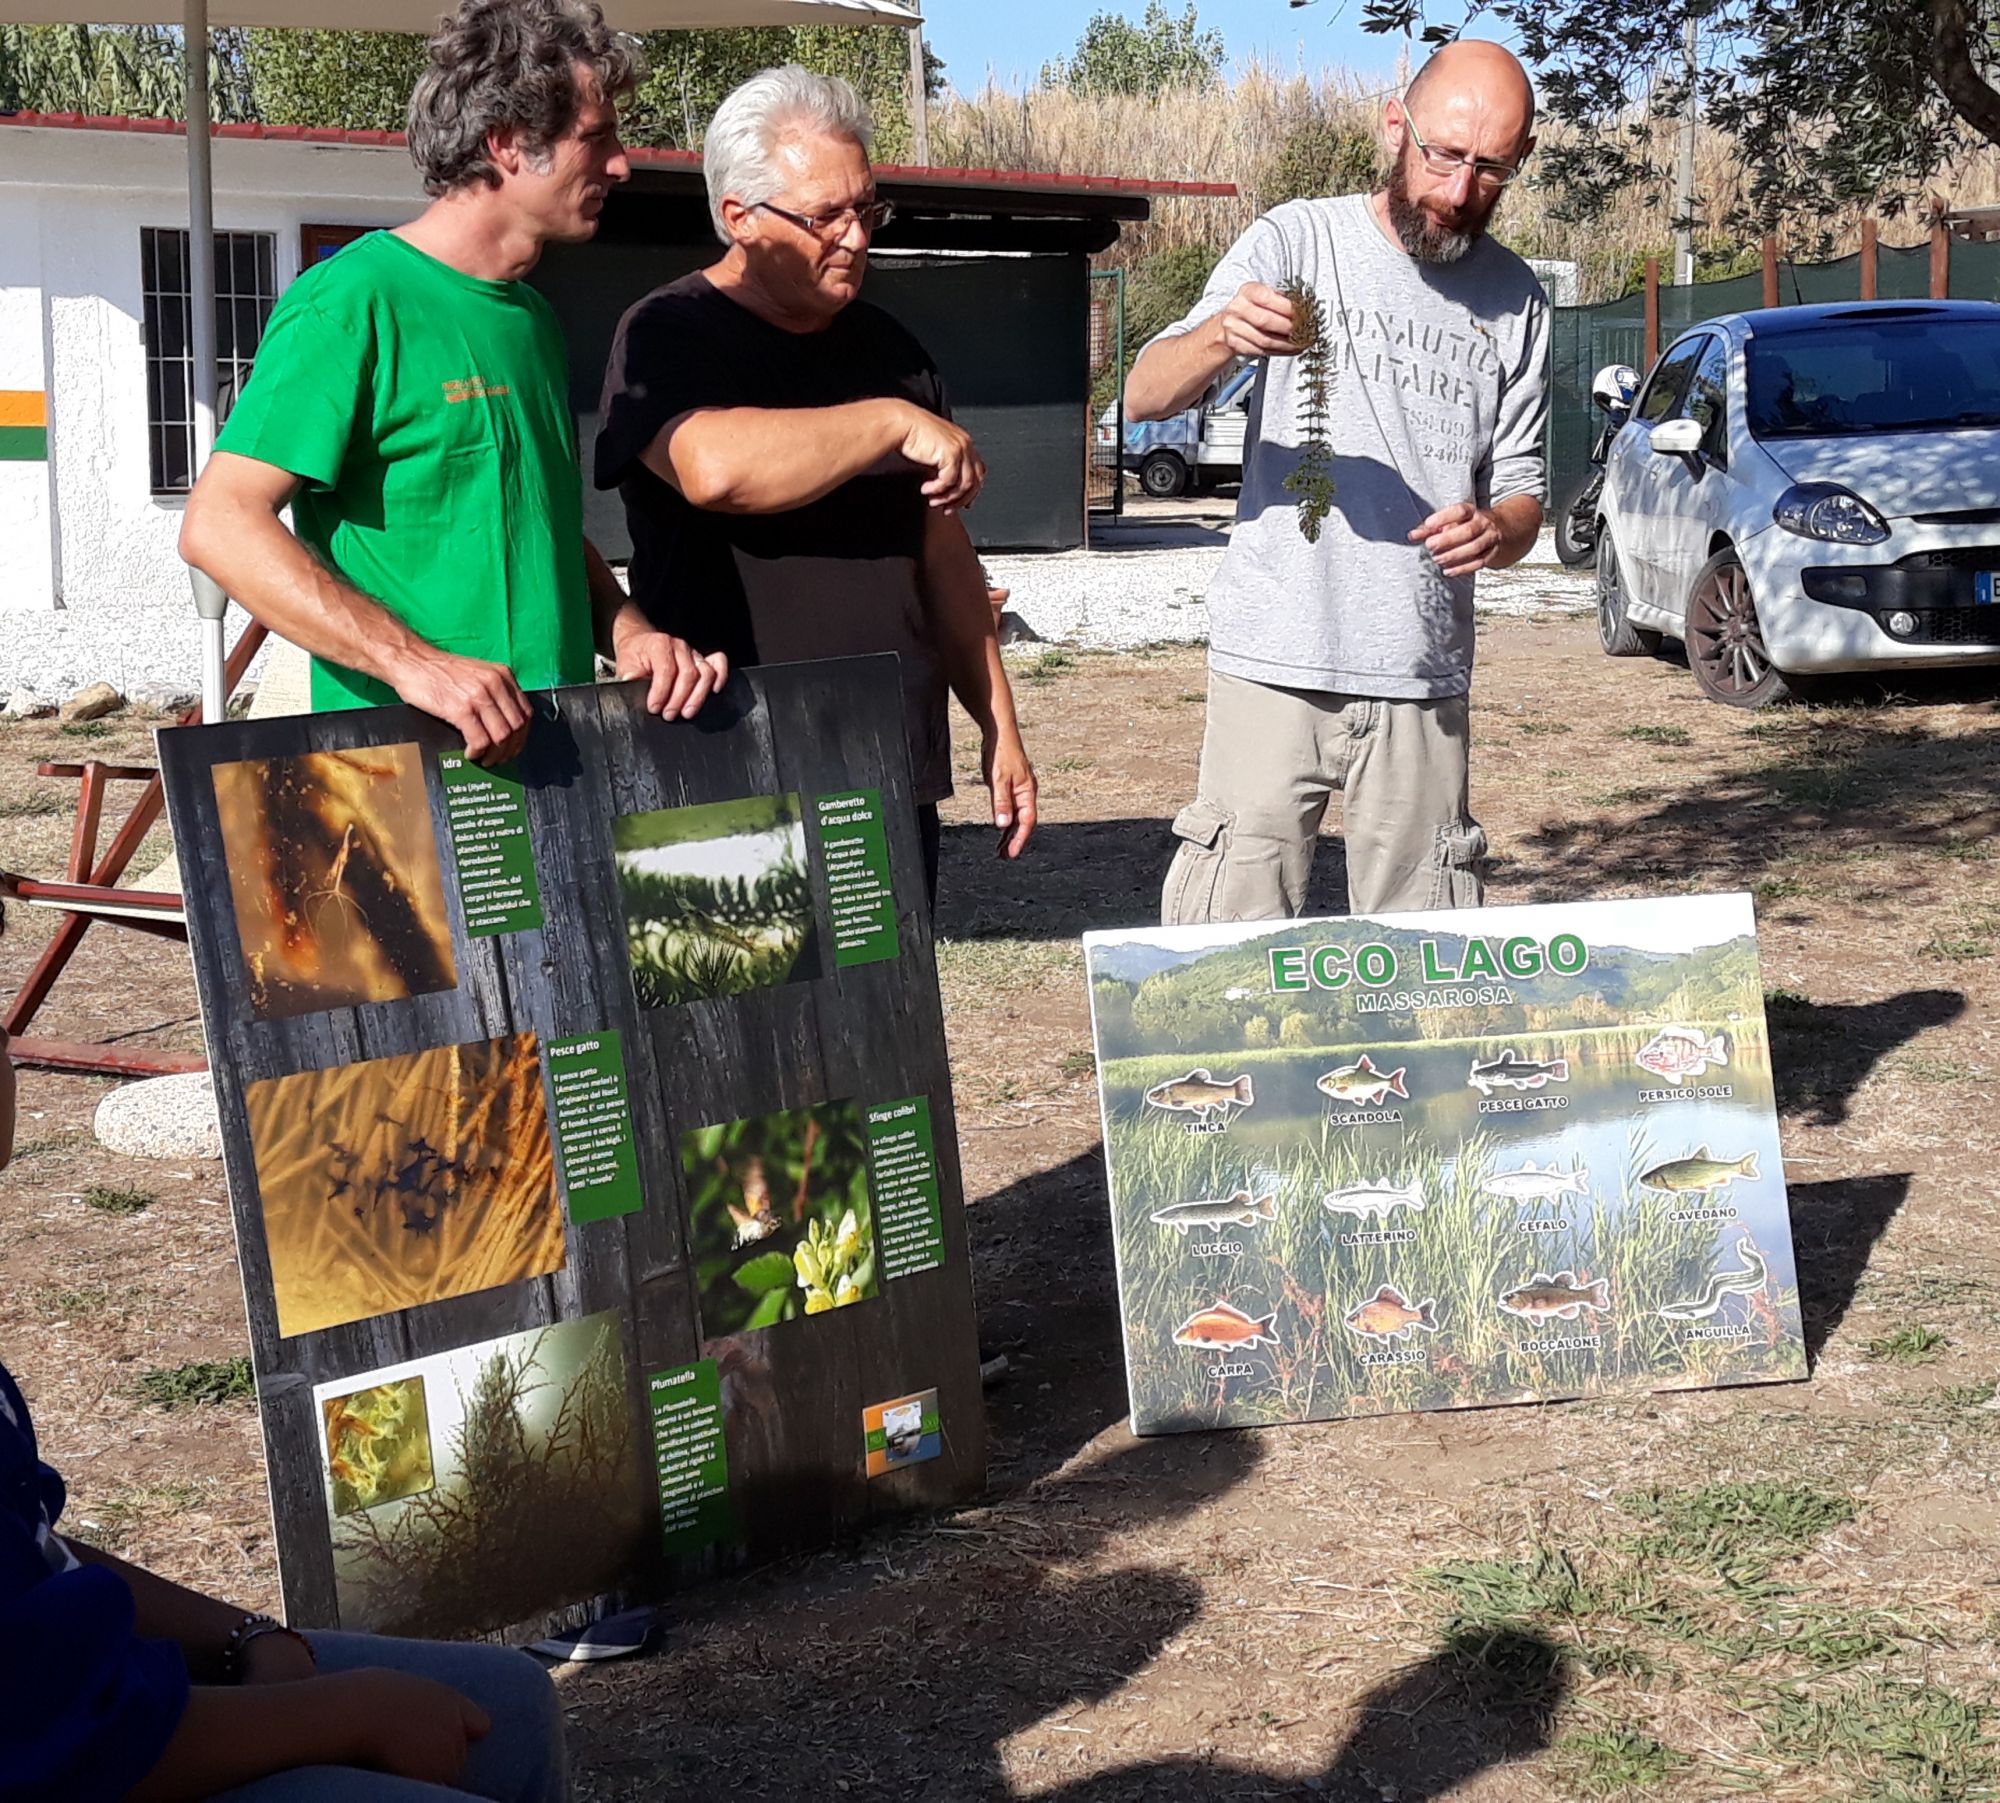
[{"x": 779, "y": 1220}]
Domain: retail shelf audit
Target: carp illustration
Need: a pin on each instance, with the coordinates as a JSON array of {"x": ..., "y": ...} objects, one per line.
[
  {"x": 1361, "y": 1085},
  {"x": 1698, "y": 1173},
  {"x": 1199, "y": 1093},
  {"x": 1220, "y": 1328},
  {"x": 1389, "y": 1314}
]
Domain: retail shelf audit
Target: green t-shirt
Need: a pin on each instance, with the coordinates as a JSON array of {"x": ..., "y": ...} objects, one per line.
[{"x": 426, "y": 414}]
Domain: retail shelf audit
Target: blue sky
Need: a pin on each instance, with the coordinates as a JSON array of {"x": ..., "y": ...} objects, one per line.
[{"x": 1015, "y": 37}]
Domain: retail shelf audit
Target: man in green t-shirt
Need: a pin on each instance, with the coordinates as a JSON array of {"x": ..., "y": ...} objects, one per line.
[{"x": 410, "y": 405}]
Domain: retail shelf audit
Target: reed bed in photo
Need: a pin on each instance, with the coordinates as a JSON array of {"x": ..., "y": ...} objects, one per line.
[
  {"x": 404, "y": 1180},
  {"x": 538, "y": 1498}
]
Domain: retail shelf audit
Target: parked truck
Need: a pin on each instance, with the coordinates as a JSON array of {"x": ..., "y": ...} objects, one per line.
[{"x": 1195, "y": 448}]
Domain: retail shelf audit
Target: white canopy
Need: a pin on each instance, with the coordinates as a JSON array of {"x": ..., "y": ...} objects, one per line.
[{"x": 197, "y": 17}]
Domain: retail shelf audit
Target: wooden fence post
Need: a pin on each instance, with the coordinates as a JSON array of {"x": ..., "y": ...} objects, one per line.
[
  {"x": 1770, "y": 270},
  {"x": 1940, "y": 260},
  {"x": 1869, "y": 258},
  {"x": 1652, "y": 310}
]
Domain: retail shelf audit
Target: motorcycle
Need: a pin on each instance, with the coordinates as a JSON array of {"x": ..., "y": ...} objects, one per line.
[{"x": 1576, "y": 522}]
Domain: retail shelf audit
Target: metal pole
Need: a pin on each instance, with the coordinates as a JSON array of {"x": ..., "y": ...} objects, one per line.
[
  {"x": 920, "y": 100},
  {"x": 210, "y": 603},
  {"x": 1684, "y": 200}
]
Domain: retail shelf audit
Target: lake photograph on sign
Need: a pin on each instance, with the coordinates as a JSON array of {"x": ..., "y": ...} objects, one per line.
[
  {"x": 537, "y": 1496},
  {"x": 1437, "y": 1161},
  {"x": 717, "y": 899},
  {"x": 779, "y": 1220},
  {"x": 404, "y": 1180},
  {"x": 334, "y": 877}
]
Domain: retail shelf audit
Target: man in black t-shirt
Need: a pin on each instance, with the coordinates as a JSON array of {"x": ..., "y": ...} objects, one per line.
[{"x": 790, "y": 469}]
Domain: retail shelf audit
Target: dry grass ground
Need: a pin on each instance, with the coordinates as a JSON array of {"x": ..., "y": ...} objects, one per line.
[{"x": 1773, "y": 1593}]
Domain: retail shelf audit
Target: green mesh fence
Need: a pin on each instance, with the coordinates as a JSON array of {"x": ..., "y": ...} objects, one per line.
[{"x": 1582, "y": 340}]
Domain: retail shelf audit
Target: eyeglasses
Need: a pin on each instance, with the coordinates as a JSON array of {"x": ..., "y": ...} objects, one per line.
[
  {"x": 1488, "y": 172},
  {"x": 832, "y": 227}
]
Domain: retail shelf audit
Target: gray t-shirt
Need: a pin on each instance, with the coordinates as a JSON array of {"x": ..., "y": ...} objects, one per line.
[{"x": 1438, "y": 392}]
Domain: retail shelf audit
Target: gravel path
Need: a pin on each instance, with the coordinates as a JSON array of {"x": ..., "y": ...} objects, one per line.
[{"x": 1116, "y": 598}]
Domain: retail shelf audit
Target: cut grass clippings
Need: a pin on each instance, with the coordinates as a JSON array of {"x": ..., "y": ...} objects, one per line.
[
  {"x": 206, "y": 1381},
  {"x": 110, "y": 1201}
]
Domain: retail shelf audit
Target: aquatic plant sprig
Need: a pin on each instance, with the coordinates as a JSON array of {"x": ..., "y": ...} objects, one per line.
[{"x": 1312, "y": 478}]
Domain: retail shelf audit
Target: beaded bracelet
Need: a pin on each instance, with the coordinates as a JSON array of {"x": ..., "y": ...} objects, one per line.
[{"x": 253, "y": 1627}]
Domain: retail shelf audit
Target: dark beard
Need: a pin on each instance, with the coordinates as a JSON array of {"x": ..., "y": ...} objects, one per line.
[{"x": 1419, "y": 233}]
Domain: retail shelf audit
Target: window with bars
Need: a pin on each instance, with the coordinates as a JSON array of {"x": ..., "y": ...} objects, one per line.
[{"x": 246, "y": 289}]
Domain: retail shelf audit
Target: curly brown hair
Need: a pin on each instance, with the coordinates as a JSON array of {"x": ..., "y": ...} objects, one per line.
[{"x": 498, "y": 64}]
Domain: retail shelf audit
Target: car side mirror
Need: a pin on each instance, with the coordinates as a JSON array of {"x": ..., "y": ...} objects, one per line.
[{"x": 1677, "y": 438}]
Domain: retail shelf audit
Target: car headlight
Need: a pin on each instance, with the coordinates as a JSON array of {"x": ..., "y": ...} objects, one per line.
[{"x": 1826, "y": 511}]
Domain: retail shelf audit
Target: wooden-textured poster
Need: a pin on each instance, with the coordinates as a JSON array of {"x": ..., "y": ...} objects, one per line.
[
  {"x": 1432, "y": 1161},
  {"x": 590, "y": 1141}
]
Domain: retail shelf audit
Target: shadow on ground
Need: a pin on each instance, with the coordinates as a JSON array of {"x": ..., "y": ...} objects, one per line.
[
  {"x": 1821, "y": 1053},
  {"x": 1835, "y": 1229},
  {"x": 1481, "y": 1700}
]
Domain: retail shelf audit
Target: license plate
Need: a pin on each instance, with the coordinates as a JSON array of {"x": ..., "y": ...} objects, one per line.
[{"x": 1982, "y": 588}]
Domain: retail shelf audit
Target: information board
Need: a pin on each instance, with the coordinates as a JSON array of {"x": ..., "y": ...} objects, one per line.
[
  {"x": 590, "y": 1141},
  {"x": 1444, "y": 1160}
]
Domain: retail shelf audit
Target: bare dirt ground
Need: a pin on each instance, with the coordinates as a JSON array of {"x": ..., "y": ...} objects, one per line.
[{"x": 1785, "y": 1592}]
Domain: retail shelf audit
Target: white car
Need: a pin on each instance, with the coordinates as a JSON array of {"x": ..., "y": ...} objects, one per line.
[{"x": 1810, "y": 490}]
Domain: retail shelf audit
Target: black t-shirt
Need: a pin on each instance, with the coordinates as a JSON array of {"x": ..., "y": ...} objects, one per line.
[{"x": 836, "y": 578}]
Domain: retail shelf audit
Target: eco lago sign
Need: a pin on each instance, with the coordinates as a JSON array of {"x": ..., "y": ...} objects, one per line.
[{"x": 1429, "y": 1161}]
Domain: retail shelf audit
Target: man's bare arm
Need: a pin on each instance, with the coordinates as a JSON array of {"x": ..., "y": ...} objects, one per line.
[
  {"x": 233, "y": 531},
  {"x": 678, "y": 677},
  {"x": 1173, "y": 373},
  {"x": 955, "y": 596},
  {"x": 772, "y": 459}
]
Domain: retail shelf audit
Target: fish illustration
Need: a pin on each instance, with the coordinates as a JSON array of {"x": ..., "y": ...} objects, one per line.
[
  {"x": 1511, "y": 1071},
  {"x": 1231, "y": 1211},
  {"x": 754, "y": 1220},
  {"x": 1389, "y": 1314},
  {"x": 1380, "y": 1199},
  {"x": 1199, "y": 1093},
  {"x": 1698, "y": 1172},
  {"x": 1221, "y": 1328},
  {"x": 1558, "y": 1298},
  {"x": 1532, "y": 1183},
  {"x": 1681, "y": 1053},
  {"x": 1362, "y": 1085},
  {"x": 1754, "y": 1275}
]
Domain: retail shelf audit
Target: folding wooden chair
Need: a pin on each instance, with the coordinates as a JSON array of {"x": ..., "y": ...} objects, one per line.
[{"x": 88, "y": 892}]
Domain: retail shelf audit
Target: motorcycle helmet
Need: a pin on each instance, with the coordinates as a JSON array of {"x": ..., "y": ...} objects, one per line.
[{"x": 1615, "y": 386}]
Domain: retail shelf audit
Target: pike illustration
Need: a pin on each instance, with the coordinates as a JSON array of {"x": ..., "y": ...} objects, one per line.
[
  {"x": 1199, "y": 1093},
  {"x": 1389, "y": 1314},
  {"x": 1231, "y": 1211},
  {"x": 1220, "y": 1328},
  {"x": 1533, "y": 1183},
  {"x": 1698, "y": 1173},
  {"x": 1380, "y": 1199},
  {"x": 1511, "y": 1071},
  {"x": 1361, "y": 1085},
  {"x": 1556, "y": 1298},
  {"x": 1681, "y": 1054},
  {"x": 1755, "y": 1274}
]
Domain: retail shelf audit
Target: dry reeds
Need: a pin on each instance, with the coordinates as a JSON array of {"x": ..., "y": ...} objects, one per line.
[{"x": 1238, "y": 132}]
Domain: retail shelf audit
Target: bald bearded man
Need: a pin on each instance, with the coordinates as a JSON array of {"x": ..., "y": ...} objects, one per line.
[{"x": 1345, "y": 662}]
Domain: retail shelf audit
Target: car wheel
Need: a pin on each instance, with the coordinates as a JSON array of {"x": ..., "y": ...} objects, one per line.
[
  {"x": 1725, "y": 639},
  {"x": 1617, "y": 634},
  {"x": 1576, "y": 529},
  {"x": 1163, "y": 475}
]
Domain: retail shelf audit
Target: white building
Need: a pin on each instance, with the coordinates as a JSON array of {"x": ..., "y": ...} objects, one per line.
[{"x": 93, "y": 344}]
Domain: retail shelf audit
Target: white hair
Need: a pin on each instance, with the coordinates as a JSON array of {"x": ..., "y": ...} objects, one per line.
[{"x": 738, "y": 149}]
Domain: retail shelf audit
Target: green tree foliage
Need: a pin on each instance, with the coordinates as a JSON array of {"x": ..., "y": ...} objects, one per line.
[
  {"x": 1115, "y": 56},
  {"x": 1828, "y": 104},
  {"x": 1321, "y": 155},
  {"x": 1295, "y": 1029},
  {"x": 1159, "y": 289},
  {"x": 689, "y": 72},
  {"x": 1256, "y": 1031},
  {"x": 360, "y": 80},
  {"x": 129, "y": 70}
]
